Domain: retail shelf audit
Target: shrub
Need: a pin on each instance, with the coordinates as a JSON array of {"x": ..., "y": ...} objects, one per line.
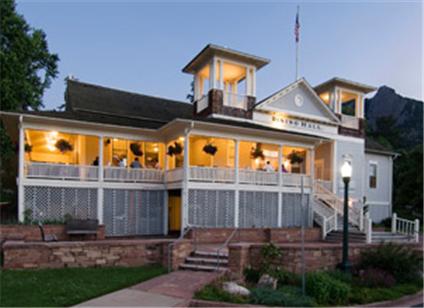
[
  {"x": 214, "y": 292},
  {"x": 400, "y": 261},
  {"x": 251, "y": 275},
  {"x": 266, "y": 296},
  {"x": 285, "y": 277},
  {"x": 325, "y": 289},
  {"x": 375, "y": 277},
  {"x": 341, "y": 276},
  {"x": 287, "y": 296},
  {"x": 269, "y": 257}
]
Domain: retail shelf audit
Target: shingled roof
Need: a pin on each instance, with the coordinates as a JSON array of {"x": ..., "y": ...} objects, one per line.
[
  {"x": 373, "y": 146},
  {"x": 84, "y": 97}
]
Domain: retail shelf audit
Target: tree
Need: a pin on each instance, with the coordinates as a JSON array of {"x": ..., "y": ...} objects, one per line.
[{"x": 26, "y": 65}]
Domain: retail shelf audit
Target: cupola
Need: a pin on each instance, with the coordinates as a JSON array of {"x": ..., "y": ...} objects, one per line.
[{"x": 224, "y": 81}]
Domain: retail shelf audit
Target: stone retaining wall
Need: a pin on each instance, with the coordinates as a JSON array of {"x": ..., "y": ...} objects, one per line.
[
  {"x": 254, "y": 235},
  {"x": 32, "y": 232},
  {"x": 19, "y": 254},
  {"x": 318, "y": 256}
]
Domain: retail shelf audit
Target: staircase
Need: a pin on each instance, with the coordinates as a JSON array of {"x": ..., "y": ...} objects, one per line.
[
  {"x": 328, "y": 214},
  {"x": 207, "y": 261},
  {"x": 355, "y": 236}
]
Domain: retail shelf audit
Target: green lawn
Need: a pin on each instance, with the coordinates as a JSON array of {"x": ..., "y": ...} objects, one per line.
[{"x": 68, "y": 286}]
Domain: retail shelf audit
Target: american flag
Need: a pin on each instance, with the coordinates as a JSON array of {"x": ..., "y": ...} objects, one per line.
[{"x": 297, "y": 27}]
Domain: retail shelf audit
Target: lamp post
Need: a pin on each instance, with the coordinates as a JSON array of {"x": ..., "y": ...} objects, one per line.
[{"x": 346, "y": 175}]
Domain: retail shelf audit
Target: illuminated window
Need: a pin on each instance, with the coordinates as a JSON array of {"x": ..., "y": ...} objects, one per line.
[
  {"x": 373, "y": 175},
  {"x": 349, "y": 103}
]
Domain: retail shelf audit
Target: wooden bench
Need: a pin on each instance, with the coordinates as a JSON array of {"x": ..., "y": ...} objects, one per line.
[{"x": 81, "y": 227}]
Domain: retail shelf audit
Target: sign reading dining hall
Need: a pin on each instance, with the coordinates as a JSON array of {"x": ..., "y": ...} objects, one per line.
[{"x": 295, "y": 123}]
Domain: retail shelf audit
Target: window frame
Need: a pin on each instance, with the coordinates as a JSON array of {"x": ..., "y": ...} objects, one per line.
[{"x": 370, "y": 176}]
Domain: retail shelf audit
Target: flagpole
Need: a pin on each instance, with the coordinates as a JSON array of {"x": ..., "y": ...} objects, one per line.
[{"x": 297, "y": 45}]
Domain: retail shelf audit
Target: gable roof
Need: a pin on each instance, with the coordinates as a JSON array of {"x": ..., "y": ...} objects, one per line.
[
  {"x": 214, "y": 50},
  {"x": 283, "y": 91},
  {"x": 337, "y": 81},
  {"x": 88, "y": 98}
]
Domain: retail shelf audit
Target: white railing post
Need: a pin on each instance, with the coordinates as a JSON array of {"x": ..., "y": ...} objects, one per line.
[
  {"x": 368, "y": 231},
  {"x": 100, "y": 176},
  {"x": 21, "y": 159},
  {"x": 237, "y": 180},
  {"x": 324, "y": 227},
  {"x": 361, "y": 218},
  {"x": 417, "y": 230},
  {"x": 335, "y": 219},
  {"x": 394, "y": 218}
]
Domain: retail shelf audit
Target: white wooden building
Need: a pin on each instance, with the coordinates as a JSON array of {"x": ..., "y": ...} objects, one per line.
[{"x": 146, "y": 165}]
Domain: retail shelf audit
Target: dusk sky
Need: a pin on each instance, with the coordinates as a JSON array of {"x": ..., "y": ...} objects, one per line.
[{"x": 141, "y": 46}]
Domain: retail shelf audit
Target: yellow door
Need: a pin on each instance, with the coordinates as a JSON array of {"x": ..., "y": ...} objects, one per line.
[{"x": 174, "y": 211}]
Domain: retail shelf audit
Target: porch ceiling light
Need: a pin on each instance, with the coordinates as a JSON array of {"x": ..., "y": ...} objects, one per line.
[
  {"x": 51, "y": 140},
  {"x": 346, "y": 170}
]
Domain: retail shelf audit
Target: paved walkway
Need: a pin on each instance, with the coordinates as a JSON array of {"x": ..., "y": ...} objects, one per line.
[{"x": 174, "y": 289}]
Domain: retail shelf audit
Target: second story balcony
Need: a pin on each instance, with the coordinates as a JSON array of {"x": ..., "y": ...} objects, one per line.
[{"x": 66, "y": 157}]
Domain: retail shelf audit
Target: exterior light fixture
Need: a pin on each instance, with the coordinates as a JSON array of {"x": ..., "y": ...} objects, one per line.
[{"x": 346, "y": 172}]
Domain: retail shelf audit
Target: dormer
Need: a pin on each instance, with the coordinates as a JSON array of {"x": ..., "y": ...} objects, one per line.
[
  {"x": 224, "y": 81},
  {"x": 344, "y": 96},
  {"x": 346, "y": 99}
]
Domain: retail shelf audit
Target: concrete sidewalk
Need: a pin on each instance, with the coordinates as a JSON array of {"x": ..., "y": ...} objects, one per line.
[{"x": 173, "y": 290}]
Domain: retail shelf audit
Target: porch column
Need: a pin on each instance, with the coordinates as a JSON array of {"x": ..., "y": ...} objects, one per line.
[
  {"x": 221, "y": 74},
  {"x": 237, "y": 180},
  {"x": 184, "y": 189},
  {"x": 165, "y": 197},
  {"x": 100, "y": 190},
  {"x": 280, "y": 183},
  {"x": 312, "y": 176},
  {"x": 212, "y": 74},
  {"x": 21, "y": 159}
]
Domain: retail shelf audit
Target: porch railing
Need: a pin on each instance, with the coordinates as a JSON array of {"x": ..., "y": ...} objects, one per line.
[
  {"x": 121, "y": 174},
  {"x": 294, "y": 179},
  {"x": 211, "y": 174},
  {"x": 235, "y": 100},
  {"x": 350, "y": 121},
  {"x": 405, "y": 226},
  {"x": 61, "y": 171},
  {"x": 174, "y": 175},
  {"x": 202, "y": 103},
  {"x": 326, "y": 184},
  {"x": 258, "y": 177}
]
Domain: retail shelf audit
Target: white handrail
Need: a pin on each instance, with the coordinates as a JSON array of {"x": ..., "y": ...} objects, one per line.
[
  {"x": 212, "y": 174},
  {"x": 61, "y": 171},
  {"x": 368, "y": 228},
  {"x": 405, "y": 226},
  {"x": 255, "y": 177}
]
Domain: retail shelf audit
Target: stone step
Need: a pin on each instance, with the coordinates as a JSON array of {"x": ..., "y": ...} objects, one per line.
[
  {"x": 210, "y": 254},
  {"x": 205, "y": 268},
  {"x": 206, "y": 261}
]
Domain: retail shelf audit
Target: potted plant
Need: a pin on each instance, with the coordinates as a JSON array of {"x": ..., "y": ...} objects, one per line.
[
  {"x": 295, "y": 158},
  {"x": 135, "y": 148},
  {"x": 210, "y": 149},
  {"x": 175, "y": 149},
  {"x": 257, "y": 152},
  {"x": 64, "y": 146},
  {"x": 28, "y": 148}
]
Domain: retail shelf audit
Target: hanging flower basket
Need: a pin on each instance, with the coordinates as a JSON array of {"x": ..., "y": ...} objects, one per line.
[
  {"x": 136, "y": 149},
  {"x": 107, "y": 141},
  {"x": 257, "y": 152},
  {"x": 175, "y": 149},
  {"x": 295, "y": 158},
  {"x": 28, "y": 148},
  {"x": 64, "y": 146},
  {"x": 210, "y": 149}
]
